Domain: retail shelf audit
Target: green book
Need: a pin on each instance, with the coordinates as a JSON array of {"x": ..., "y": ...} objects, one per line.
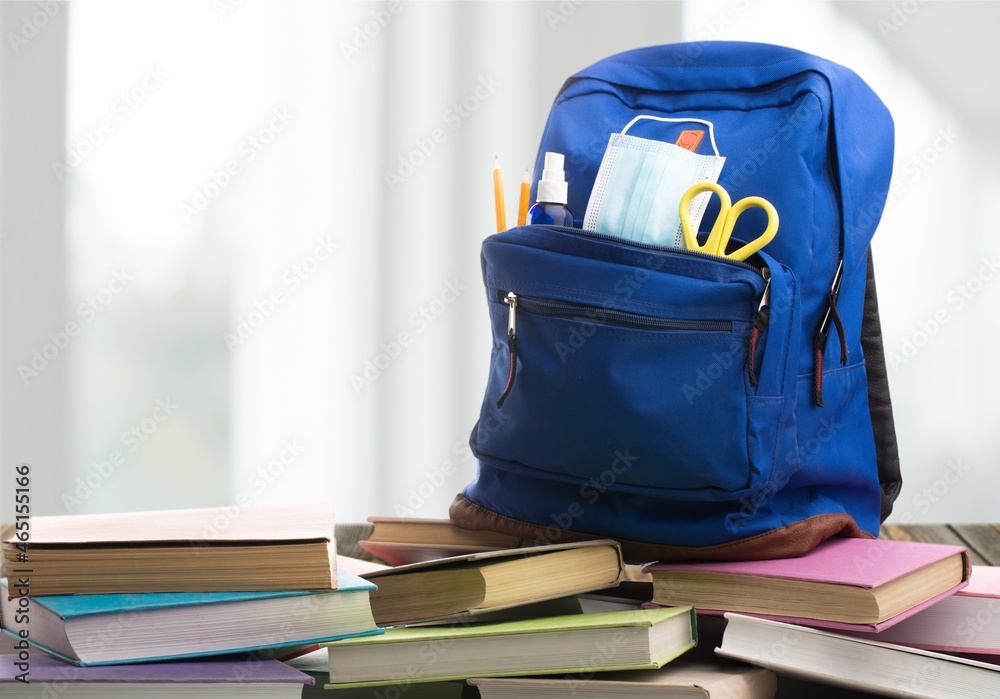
[{"x": 579, "y": 643}]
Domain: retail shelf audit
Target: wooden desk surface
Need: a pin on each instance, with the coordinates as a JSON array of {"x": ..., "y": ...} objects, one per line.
[{"x": 982, "y": 540}]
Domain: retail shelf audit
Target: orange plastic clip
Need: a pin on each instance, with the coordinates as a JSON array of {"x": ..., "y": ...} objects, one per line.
[{"x": 689, "y": 139}]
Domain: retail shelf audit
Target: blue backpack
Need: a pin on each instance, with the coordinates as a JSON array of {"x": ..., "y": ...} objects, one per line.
[{"x": 687, "y": 405}]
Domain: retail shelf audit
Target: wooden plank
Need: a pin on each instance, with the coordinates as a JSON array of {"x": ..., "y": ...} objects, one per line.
[
  {"x": 984, "y": 539},
  {"x": 931, "y": 533},
  {"x": 348, "y": 535},
  {"x": 6, "y": 531}
]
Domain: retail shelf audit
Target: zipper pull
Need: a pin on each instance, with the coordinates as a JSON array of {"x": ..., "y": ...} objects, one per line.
[
  {"x": 765, "y": 298},
  {"x": 819, "y": 347},
  {"x": 511, "y": 300},
  {"x": 757, "y": 327}
]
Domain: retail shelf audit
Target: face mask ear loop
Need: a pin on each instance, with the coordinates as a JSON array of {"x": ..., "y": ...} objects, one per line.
[{"x": 703, "y": 122}]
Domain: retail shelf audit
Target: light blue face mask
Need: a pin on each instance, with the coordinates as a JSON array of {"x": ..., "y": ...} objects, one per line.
[{"x": 638, "y": 189}]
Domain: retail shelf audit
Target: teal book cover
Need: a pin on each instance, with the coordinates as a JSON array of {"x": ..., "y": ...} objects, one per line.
[
  {"x": 72, "y": 606},
  {"x": 101, "y": 629}
]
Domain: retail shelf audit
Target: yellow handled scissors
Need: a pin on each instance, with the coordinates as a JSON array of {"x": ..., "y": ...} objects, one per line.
[{"x": 722, "y": 230}]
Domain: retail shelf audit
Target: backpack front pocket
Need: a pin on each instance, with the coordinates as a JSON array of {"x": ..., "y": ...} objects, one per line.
[{"x": 592, "y": 387}]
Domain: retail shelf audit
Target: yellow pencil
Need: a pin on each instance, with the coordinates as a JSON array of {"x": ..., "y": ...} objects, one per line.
[
  {"x": 498, "y": 195},
  {"x": 522, "y": 208}
]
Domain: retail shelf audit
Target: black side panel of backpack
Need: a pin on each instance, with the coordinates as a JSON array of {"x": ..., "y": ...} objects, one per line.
[{"x": 879, "y": 401}]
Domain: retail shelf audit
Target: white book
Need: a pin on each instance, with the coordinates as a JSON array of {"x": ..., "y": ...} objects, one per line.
[
  {"x": 677, "y": 680},
  {"x": 856, "y": 663}
]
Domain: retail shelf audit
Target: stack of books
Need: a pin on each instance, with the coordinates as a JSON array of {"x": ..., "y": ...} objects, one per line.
[
  {"x": 402, "y": 540},
  {"x": 196, "y": 603},
  {"x": 893, "y": 618},
  {"x": 517, "y": 620},
  {"x": 504, "y": 612},
  {"x": 881, "y": 617},
  {"x": 210, "y": 603}
]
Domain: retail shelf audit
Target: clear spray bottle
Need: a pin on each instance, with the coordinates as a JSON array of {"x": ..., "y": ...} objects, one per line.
[{"x": 550, "y": 205}]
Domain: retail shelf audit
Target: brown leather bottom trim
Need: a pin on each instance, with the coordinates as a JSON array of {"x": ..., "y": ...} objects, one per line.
[{"x": 785, "y": 542}]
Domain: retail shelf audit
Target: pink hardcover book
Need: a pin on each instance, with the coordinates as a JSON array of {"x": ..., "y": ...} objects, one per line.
[
  {"x": 873, "y": 565},
  {"x": 967, "y": 622}
]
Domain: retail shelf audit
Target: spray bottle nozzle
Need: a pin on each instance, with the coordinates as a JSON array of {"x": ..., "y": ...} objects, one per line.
[{"x": 552, "y": 187}]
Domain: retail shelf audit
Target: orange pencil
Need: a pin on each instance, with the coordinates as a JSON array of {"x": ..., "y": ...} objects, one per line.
[
  {"x": 522, "y": 207},
  {"x": 498, "y": 195}
]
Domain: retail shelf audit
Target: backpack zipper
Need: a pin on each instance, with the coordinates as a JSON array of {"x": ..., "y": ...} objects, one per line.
[
  {"x": 655, "y": 248},
  {"x": 607, "y": 316},
  {"x": 599, "y": 316},
  {"x": 757, "y": 327},
  {"x": 511, "y": 300}
]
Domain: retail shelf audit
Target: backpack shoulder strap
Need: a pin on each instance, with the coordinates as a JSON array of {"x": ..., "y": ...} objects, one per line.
[{"x": 879, "y": 401}]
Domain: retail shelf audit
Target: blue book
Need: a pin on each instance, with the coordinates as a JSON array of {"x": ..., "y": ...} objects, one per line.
[{"x": 130, "y": 628}]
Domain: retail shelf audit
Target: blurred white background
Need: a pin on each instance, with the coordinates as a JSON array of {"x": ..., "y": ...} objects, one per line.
[{"x": 236, "y": 265}]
